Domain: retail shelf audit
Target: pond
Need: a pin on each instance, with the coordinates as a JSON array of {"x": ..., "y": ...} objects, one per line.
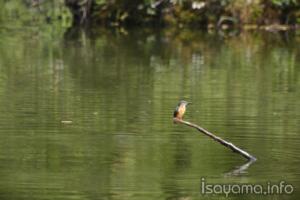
[{"x": 88, "y": 114}]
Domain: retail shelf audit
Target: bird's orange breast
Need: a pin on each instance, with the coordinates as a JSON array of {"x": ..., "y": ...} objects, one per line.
[{"x": 181, "y": 111}]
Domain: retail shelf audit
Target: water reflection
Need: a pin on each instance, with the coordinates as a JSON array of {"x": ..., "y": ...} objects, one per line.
[
  {"x": 120, "y": 88},
  {"x": 240, "y": 170}
]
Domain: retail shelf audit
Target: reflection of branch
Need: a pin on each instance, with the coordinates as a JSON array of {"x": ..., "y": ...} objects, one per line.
[
  {"x": 240, "y": 169},
  {"x": 218, "y": 139}
]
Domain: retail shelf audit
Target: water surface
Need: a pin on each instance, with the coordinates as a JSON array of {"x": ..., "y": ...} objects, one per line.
[{"x": 119, "y": 89}]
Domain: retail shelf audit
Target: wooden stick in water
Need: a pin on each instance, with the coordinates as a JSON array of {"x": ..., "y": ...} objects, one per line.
[{"x": 218, "y": 139}]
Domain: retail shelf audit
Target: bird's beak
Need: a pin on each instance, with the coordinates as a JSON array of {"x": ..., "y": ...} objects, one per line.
[{"x": 188, "y": 103}]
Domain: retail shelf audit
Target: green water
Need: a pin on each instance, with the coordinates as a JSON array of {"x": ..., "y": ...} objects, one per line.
[{"x": 119, "y": 90}]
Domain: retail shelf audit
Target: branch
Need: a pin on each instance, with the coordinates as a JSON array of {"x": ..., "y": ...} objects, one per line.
[{"x": 218, "y": 139}]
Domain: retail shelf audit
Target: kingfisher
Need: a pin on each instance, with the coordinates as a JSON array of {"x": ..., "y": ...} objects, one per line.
[{"x": 180, "y": 109}]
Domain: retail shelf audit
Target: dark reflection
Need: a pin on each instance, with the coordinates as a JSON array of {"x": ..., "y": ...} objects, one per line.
[
  {"x": 180, "y": 162},
  {"x": 228, "y": 33},
  {"x": 182, "y": 157}
]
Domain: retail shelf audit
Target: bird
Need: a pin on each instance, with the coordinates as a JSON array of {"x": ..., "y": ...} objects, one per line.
[{"x": 180, "y": 110}]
